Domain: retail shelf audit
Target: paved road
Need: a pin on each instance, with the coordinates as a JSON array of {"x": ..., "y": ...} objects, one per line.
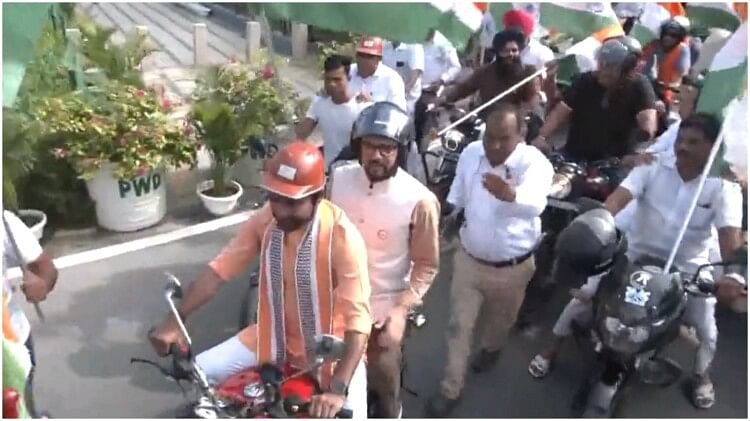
[{"x": 99, "y": 315}]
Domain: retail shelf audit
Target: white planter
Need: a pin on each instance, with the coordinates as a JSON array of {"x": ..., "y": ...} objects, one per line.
[
  {"x": 128, "y": 205},
  {"x": 218, "y": 205},
  {"x": 38, "y": 228}
]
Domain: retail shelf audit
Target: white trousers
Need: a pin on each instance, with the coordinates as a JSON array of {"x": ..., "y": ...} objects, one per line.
[
  {"x": 700, "y": 314},
  {"x": 232, "y": 356}
]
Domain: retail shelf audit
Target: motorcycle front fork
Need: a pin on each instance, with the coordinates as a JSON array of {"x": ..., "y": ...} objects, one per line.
[{"x": 599, "y": 394}]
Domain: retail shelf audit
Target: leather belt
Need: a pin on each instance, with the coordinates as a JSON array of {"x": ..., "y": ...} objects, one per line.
[{"x": 512, "y": 262}]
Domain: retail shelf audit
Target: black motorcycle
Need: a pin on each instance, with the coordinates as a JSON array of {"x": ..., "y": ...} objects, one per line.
[{"x": 638, "y": 311}]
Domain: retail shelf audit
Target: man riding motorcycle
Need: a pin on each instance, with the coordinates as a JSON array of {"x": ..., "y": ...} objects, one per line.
[
  {"x": 312, "y": 280},
  {"x": 398, "y": 218},
  {"x": 667, "y": 59},
  {"x": 496, "y": 77},
  {"x": 609, "y": 109},
  {"x": 663, "y": 191}
]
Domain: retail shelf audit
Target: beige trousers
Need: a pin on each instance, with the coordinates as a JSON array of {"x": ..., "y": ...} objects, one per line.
[{"x": 494, "y": 295}]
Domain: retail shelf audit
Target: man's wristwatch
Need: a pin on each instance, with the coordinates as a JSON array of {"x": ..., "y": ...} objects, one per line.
[{"x": 338, "y": 387}]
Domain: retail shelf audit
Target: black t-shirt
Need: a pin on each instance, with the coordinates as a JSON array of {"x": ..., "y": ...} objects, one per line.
[{"x": 600, "y": 127}]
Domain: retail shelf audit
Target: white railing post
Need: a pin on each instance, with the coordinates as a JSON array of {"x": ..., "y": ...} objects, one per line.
[
  {"x": 252, "y": 39},
  {"x": 200, "y": 44},
  {"x": 299, "y": 41}
]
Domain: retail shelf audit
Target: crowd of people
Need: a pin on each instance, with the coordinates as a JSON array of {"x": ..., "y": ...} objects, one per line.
[{"x": 349, "y": 240}]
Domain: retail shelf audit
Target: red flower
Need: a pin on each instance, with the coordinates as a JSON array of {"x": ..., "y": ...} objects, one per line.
[
  {"x": 122, "y": 141},
  {"x": 267, "y": 72},
  {"x": 139, "y": 92},
  {"x": 166, "y": 105}
]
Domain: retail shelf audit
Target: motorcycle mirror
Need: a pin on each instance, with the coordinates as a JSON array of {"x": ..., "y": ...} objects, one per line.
[
  {"x": 270, "y": 374},
  {"x": 329, "y": 348},
  {"x": 173, "y": 288}
]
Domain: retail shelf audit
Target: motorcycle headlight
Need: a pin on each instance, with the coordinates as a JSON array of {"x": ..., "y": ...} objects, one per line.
[
  {"x": 452, "y": 140},
  {"x": 623, "y": 338},
  {"x": 561, "y": 186}
]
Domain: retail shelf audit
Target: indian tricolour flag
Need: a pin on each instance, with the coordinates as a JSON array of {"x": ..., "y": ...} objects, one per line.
[
  {"x": 727, "y": 76},
  {"x": 405, "y": 22},
  {"x": 579, "y": 20},
  {"x": 654, "y": 14},
  {"x": 725, "y": 82},
  {"x": 589, "y": 24},
  {"x": 725, "y": 15}
]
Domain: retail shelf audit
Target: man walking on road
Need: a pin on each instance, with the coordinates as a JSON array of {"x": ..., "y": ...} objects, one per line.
[
  {"x": 501, "y": 185},
  {"x": 335, "y": 112}
]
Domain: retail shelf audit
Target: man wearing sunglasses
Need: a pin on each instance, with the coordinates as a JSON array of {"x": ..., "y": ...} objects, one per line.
[
  {"x": 398, "y": 218},
  {"x": 373, "y": 81}
]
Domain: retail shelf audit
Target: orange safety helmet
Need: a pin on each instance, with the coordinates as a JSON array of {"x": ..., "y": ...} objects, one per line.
[
  {"x": 296, "y": 171},
  {"x": 370, "y": 45}
]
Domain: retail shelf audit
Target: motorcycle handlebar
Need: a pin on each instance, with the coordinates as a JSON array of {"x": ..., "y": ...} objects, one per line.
[{"x": 294, "y": 407}]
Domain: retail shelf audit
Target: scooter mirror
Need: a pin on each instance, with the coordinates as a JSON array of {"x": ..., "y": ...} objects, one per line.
[{"x": 329, "y": 348}]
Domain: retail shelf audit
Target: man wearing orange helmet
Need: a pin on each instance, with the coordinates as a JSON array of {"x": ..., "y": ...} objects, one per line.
[
  {"x": 313, "y": 280},
  {"x": 373, "y": 81}
]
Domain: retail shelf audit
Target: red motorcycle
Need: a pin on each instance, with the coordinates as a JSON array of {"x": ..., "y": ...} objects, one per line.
[{"x": 265, "y": 391}]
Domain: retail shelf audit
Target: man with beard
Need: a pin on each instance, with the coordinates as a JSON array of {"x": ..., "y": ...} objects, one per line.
[
  {"x": 501, "y": 185},
  {"x": 496, "y": 77},
  {"x": 313, "y": 280},
  {"x": 398, "y": 218},
  {"x": 608, "y": 109},
  {"x": 663, "y": 192}
]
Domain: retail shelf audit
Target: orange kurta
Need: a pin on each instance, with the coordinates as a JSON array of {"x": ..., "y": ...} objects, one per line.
[{"x": 348, "y": 273}]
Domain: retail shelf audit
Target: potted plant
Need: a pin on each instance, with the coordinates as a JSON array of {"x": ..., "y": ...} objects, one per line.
[
  {"x": 235, "y": 106},
  {"x": 19, "y": 135},
  {"x": 120, "y": 141}
]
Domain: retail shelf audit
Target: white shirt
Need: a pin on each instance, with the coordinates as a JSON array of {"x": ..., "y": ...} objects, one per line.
[
  {"x": 404, "y": 59},
  {"x": 536, "y": 54},
  {"x": 384, "y": 85},
  {"x": 335, "y": 122},
  {"x": 30, "y": 250},
  {"x": 662, "y": 199},
  {"x": 496, "y": 230},
  {"x": 440, "y": 63}
]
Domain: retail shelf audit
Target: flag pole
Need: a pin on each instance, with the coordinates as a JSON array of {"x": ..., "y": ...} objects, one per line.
[{"x": 702, "y": 181}]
